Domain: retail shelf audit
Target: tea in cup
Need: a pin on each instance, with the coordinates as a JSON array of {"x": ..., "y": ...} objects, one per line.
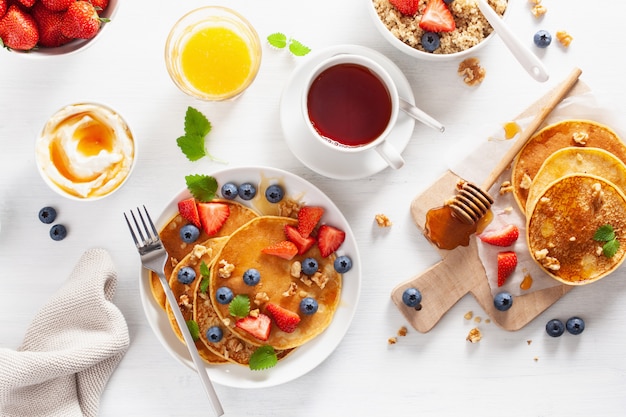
[{"x": 351, "y": 104}]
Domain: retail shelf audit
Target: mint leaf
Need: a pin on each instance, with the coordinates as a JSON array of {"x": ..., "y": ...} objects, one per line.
[
  {"x": 263, "y": 357},
  {"x": 239, "y": 306},
  {"x": 196, "y": 123},
  {"x": 204, "y": 285},
  {"x": 202, "y": 187},
  {"x": 280, "y": 40},
  {"x": 194, "y": 329},
  {"x": 204, "y": 270},
  {"x": 604, "y": 233},
  {"x": 193, "y": 143},
  {"x": 192, "y": 147},
  {"x": 610, "y": 248},
  {"x": 277, "y": 40},
  {"x": 298, "y": 49}
]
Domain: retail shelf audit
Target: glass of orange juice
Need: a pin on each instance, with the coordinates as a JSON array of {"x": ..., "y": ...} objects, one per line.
[{"x": 213, "y": 53}]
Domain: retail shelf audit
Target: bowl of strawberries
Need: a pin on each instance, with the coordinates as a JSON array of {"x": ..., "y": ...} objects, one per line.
[
  {"x": 434, "y": 30},
  {"x": 52, "y": 27}
]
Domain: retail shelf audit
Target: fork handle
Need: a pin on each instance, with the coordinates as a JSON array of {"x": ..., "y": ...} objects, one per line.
[{"x": 191, "y": 346}]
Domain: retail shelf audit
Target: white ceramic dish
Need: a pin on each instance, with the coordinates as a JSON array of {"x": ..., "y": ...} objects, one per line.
[
  {"x": 304, "y": 358},
  {"x": 315, "y": 155}
]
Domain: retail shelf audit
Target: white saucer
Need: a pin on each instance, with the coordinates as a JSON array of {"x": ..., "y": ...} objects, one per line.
[{"x": 315, "y": 155}]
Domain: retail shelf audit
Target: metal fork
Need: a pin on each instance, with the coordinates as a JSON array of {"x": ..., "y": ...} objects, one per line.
[{"x": 153, "y": 257}]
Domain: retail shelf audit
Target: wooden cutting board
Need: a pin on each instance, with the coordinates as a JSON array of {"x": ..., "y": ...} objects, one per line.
[{"x": 461, "y": 272}]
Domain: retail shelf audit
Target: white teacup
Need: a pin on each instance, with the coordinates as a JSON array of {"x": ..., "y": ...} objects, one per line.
[{"x": 350, "y": 104}]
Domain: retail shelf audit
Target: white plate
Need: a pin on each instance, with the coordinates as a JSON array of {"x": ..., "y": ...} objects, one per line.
[
  {"x": 306, "y": 357},
  {"x": 315, "y": 155}
]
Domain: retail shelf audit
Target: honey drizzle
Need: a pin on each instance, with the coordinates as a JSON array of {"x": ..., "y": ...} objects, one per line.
[{"x": 447, "y": 231}]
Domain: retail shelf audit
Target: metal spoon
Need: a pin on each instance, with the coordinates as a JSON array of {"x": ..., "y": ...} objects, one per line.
[{"x": 420, "y": 115}]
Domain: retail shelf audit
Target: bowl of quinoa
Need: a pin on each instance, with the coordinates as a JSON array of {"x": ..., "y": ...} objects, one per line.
[{"x": 471, "y": 31}]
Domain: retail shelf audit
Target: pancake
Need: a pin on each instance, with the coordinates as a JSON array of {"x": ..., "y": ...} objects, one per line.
[
  {"x": 579, "y": 133},
  {"x": 574, "y": 160},
  {"x": 562, "y": 224},
  {"x": 278, "y": 284}
]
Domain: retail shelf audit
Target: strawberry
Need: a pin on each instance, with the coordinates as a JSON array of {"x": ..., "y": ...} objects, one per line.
[
  {"x": 212, "y": 216},
  {"x": 437, "y": 17},
  {"x": 505, "y": 236},
  {"x": 188, "y": 209},
  {"x": 49, "y": 23},
  {"x": 57, "y": 5},
  {"x": 100, "y": 5},
  {"x": 286, "y": 320},
  {"x": 27, "y": 3},
  {"x": 18, "y": 30},
  {"x": 308, "y": 217},
  {"x": 507, "y": 261},
  {"x": 258, "y": 327},
  {"x": 406, "y": 7},
  {"x": 3, "y": 7},
  {"x": 284, "y": 249},
  {"x": 302, "y": 243},
  {"x": 329, "y": 239},
  {"x": 81, "y": 20}
]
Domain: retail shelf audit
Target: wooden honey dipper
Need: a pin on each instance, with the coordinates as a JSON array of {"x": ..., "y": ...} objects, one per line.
[{"x": 471, "y": 202}]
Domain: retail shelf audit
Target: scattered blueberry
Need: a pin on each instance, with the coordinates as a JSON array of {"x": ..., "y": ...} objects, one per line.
[
  {"x": 412, "y": 297},
  {"x": 47, "y": 215},
  {"x": 58, "y": 232},
  {"x": 542, "y": 38},
  {"x": 247, "y": 191},
  {"x": 342, "y": 264},
  {"x": 230, "y": 191},
  {"x": 251, "y": 277},
  {"x": 430, "y": 41},
  {"x": 186, "y": 275},
  {"x": 214, "y": 334},
  {"x": 189, "y": 233},
  {"x": 555, "y": 328},
  {"x": 274, "y": 193},
  {"x": 575, "y": 325},
  {"x": 310, "y": 266},
  {"x": 308, "y": 305},
  {"x": 224, "y": 295},
  {"x": 503, "y": 301}
]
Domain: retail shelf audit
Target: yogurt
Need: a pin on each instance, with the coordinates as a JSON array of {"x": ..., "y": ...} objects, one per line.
[{"x": 85, "y": 151}]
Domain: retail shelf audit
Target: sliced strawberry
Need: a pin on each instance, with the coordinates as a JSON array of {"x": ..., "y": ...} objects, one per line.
[
  {"x": 505, "y": 236},
  {"x": 212, "y": 216},
  {"x": 437, "y": 17},
  {"x": 286, "y": 320},
  {"x": 407, "y": 7},
  {"x": 302, "y": 243},
  {"x": 329, "y": 239},
  {"x": 507, "y": 261},
  {"x": 258, "y": 327},
  {"x": 308, "y": 217},
  {"x": 189, "y": 210},
  {"x": 284, "y": 249}
]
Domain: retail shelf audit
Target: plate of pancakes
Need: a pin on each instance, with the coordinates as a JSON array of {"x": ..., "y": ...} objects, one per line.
[{"x": 222, "y": 259}]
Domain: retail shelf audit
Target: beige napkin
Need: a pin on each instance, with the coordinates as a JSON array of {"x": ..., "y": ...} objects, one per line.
[{"x": 71, "y": 348}]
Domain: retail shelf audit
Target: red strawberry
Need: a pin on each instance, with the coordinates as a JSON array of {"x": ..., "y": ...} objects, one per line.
[
  {"x": 302, "y": 243},
  {"x": 49, "y": 23},
  {"x": 57, "y": 5},
  {"x": 26, "y": 3},
  {"x": 212, "y": 216},
  {"x": 258, "y": 327},
  {"x": 406, "y": 7},
  {"x": 502, "y": 237},
  {"x": 3, "y": 7},
  {"x": 507, "y": 261},
  {"x": 437, "y": 17},
  {"x": 308, "y": 217},
  {"x": 189, "y": 210},
  {"x": 18, "y": 30},
  {"x": 81, "y": 21},
  {"x": 100, "y": 5},
  {"x": 329, "y": 239},
  {"x": 286, "y": 320},
  {"x": 284, "y": 249}
]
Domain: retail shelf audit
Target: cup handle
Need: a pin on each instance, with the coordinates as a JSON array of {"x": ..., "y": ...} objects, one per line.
[{"x": 390, "y": 155}]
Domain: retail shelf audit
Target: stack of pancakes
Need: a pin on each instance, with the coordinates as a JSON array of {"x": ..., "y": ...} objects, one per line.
[{"x": 570, "y": 180}]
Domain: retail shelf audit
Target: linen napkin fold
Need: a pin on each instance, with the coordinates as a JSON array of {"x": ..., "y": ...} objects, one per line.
[{"x": 70, "y": 349}]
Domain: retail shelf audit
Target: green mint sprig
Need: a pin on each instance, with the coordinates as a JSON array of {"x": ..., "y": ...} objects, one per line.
[
  {"x": 280, "y": 41},
  {"x": 194, "y": 329},
  {"x": 204, "y": 273},
  {"x": 607, "y": 235},
  {"x": 193, "y": 142},
  {"x": 263, "y": 357},
  {"x": 202, "y": 187}
]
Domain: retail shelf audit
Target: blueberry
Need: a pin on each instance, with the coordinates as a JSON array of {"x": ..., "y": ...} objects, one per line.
[
  {"x": 555, "y": 328},
  {"x": 47, "y": 215},
  {"x": 503, "y": 301},
  {"x": 342, "y": 264},
  {"x": 310, "y": 266},
  {"x": 186, "y": 275},
  {"x": 251, "y": 277},
  {"x": 308, "y": 305},
  {"x": 230, "y": 191},
  {"x": 274, "y": 193},
  {"x": 214, "y": 334},
  {"x": 58, "y": 232},
  {"x": 430, "y": 41},
  {"x": 224, "y": 295},
  {"x": 412, "y": 297},
  {"x": 247, "y": 191},
  {"x": 542, "y": 38},
  {"x": 189, "y": 233},
  {"x": 575, "y": 325}
]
